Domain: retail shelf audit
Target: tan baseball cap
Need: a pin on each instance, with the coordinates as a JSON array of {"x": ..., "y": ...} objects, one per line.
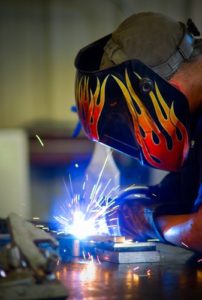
[{"x": 157, "y": 40}]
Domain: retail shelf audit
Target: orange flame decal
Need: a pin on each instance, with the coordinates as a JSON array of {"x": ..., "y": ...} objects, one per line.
[
  {"x": 90, "y": 104},
  {"x": 156, "y": 153}
]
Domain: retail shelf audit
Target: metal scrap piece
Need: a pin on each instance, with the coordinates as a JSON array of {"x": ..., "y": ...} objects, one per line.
[
  {"x": 28, "y": 270},
  {"x": 25, "y": 236}
]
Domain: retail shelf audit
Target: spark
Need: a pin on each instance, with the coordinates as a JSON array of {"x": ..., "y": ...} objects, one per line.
[
  {"x": 98, "y": 260},
  {"x": 91, "y": 259},
  {"x": 135, "y": 275},
  {"x": 84, "y": 216},
  {"x": 45, "y": 228},
  {"x": 58, "y": 262},
  {"x": 2, "y": 273},
  {"x": 71, "y": 186},
  {"x": 185, "y": 245},
  {"x": 153, "y": 240},
  {"x": 40, "y": 226},
  {"x": 84, "y": 255},
  {"x": 39, "y": 139}
]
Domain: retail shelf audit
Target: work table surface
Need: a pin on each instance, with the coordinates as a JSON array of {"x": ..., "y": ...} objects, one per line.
[{"x": 177, "y": 276}]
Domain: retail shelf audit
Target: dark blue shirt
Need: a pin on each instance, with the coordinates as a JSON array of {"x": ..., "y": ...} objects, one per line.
[{"x": 183, "y": 189}]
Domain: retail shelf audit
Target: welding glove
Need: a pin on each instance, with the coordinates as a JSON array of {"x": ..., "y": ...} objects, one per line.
[{"x": 137, "y": 207}]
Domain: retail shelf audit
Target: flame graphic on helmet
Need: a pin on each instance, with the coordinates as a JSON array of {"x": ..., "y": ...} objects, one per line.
[
  {"x": 90, "y": 104},
  {"x": 151, "y": 139}
]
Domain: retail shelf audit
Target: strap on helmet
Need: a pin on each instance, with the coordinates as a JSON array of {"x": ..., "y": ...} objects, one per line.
[{"x": 183, "y": 53}]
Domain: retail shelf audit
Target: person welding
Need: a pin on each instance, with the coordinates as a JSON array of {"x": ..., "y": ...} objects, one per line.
[{"x": 139, "y": 91}]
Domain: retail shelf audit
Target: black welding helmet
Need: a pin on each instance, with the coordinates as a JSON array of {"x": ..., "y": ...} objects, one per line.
[{"x": 129, "y": 105}]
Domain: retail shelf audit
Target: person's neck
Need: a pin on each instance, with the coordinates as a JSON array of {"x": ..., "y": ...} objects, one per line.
[{"x": 189, "y": 81}]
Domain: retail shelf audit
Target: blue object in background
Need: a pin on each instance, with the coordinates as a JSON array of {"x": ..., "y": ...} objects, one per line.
[{"x": 78, "y": 127}]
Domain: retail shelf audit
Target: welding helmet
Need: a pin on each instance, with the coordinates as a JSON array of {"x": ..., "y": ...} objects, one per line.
[{"x": 123, "y": 96}]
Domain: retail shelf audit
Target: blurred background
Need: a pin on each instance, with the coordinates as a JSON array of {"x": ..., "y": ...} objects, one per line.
[{"x": 39, "y": 153}]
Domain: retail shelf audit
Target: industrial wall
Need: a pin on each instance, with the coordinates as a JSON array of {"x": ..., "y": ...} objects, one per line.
[{"x": 39, "y": 40}]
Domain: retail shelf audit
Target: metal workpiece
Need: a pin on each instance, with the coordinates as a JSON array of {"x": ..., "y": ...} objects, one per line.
[
  {"x": 128, "y": 257},
  {"x": 70, "y": 247},
  {"x": 107, "y": 248},
  {"x": 28, "y": 263},
  {"x": 25, "y": 236},
  {"x": 128, "y": 252}
]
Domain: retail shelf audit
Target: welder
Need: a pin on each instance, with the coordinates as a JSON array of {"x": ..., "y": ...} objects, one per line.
[{"x": 139, "y": 91}]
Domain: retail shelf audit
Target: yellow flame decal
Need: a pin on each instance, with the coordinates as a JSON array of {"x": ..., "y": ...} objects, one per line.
[{"x": 157, "y": 154}]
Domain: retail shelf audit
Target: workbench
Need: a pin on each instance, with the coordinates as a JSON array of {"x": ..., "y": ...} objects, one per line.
[{"x": 177, "y": 276}]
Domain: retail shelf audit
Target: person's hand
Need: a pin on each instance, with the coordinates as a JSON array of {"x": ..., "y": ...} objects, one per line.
[{"x": 134, "y": 213}]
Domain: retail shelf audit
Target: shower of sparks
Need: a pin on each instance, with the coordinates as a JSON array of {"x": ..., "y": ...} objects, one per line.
[
  {"x": 39, "y": 139},
  {"x": 84, "y": 215}
]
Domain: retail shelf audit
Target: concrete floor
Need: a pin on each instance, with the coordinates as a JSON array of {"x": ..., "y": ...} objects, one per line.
[{"x": 177, "y": 276}]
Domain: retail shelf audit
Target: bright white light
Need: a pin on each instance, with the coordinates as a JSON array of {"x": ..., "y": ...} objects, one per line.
[
  {"x": 87, "y": 222},
  {"x": 80, "y": 227}
]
